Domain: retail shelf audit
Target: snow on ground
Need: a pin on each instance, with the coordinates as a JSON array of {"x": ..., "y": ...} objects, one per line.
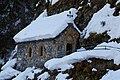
[
  {"x": 111, "y": 51},
  {"x": 43, "y": 76},
  {"x": 43, "y": 14},
  {"x": 13, "y": 53},
  {"x": 58, "y": 63},
  {"x": 112, "y": 44},
  {"x": 117, "y": 1},
  {"x": 8, "y": 73},
  {"x": 81, "y": 49},
  {"x": 2, "y": 61},
  {"x": 27, "y": 74},
  {"x": 112, "y": 75},
  {"x": 10, "y": 63},
  {"x": 24, "y": 74},
  {"x": 103, "y": 21},
  {"x": 61, "y": 76},
  {"x": 52, "y": 1},
  {"x": 94, "y": 69},
  {"x": 90, "y": 61},
  {"x": 38, "y": 29},
  {"x": 17, "y": 22}
]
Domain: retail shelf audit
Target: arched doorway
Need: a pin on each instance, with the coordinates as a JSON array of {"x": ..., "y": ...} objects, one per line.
[{"x": 69, "y": 48}]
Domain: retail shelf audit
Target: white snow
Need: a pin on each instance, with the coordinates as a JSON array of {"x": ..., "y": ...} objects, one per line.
[
  {"x": 61, "y": 76},
  {"x": 37, "y": 70},
  {"x": 103, "y": 21},
  {"x": 81, "y": 49},
  {"x": 2, "y": 61},
  {"x": 24, "y": 75},
  {"x": 17, "y": 22},
  {"x": 13, "y": 53},
  {"x": 46, "y": 27},
  {"x": 90, "y": 61},
  {"x": 94, "y": 69},
  {"x": 8, "y": 73},
  {"x": 43, "y": 14},
  {"x": 117, "y": 1},
  {"x": 53, "y": 1},
  {"x": 112, "y": 75},
  {"x": 107, "y": 69},
  {"x": 27, "y": 74},
  {"x": 43, "y": 76},
  {"x": 37, "y": 4},
  {"x": 111, "y": 45},
  {"x": 10, "y": 63},
  {"x": 80, "y": 7},
  {"x": 58, "y": 63}
]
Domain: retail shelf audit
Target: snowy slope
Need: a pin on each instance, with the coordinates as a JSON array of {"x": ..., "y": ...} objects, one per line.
[
  {"x": 8, "y": 73},
  {"x": 7, "y": 70},
  {"x": 61, "y": 64},
  {"x": 43, "y": 76},
  {"x": 10, "y": 63},
  {"x": 62, "y": 76},
  {"x": 112, "y": 75},
  {"x": 103, "y": 21},
  {"x": 28, "y": 74},
  {"x": 46, "y": 27},
  {"x": 66, "y": 62}
]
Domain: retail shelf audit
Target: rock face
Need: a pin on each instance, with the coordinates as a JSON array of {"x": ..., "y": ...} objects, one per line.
[
  {"x": 117, "y": 9},
  {"x": 14, "y": 16},
  {"x": 35, "y": 53},
  {"x": 92, "y": 69},
  {"x": 94, "y": 39}
]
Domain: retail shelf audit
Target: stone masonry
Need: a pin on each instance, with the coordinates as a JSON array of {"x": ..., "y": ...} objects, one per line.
[{"x": 36, "y": 53}]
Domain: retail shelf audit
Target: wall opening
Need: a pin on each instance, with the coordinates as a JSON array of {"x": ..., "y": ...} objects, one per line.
[
  {"x": 69, "y": 48},
  {"x": 41, "y": 51},
  {"x": 30, "y": 52}
]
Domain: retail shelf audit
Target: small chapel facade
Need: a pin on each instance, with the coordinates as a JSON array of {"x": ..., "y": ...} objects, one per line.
[{"x": 35, "y": 51}]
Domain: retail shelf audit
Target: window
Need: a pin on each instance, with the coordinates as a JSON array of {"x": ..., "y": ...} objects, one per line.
[
  {"x": 41, "y": 51},
  {"x": 30, "y": 52}
]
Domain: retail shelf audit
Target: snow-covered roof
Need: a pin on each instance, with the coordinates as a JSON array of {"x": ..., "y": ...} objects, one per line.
[
  {"x": 103, "y": 21},
  {"x": 47, "y": 27}
]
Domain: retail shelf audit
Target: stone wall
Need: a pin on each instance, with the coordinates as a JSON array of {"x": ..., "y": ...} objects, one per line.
[{"x": 52, "y": 48}]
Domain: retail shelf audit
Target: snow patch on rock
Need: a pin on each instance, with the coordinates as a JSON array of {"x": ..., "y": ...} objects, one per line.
[{"x": 103, "y": 21}]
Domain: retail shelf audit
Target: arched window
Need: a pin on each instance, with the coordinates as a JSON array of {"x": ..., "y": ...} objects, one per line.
[
  {"x": 41, "y": 50},
  {"x": 30, "y": 52}
]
